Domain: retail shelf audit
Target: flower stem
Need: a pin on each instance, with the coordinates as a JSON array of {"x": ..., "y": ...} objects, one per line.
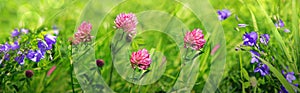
[
  {"x": 132, "y": 81},
  {"x": 71, "y": 71},
  {"x": 71, "y": 74},
  {"x": 112, "y": 66}
]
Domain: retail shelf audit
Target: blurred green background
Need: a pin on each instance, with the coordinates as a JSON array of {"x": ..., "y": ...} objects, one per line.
[{"x": 65, "y": 14}]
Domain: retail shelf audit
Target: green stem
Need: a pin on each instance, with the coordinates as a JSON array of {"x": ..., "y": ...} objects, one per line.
[
  {"x": 112, "y": 66},
  {"x": 132, "y": 81},
  {"x": 241, "y": 65},
  {"x": 71, "y": 74}
]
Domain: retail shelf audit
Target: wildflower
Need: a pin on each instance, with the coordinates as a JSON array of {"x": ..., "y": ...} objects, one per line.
[
  {"x": 283, "y": 90},
  {"x": 15, "y": 46},
  {"x": 279, "y": 24},
  {"x": 6, "y": 57},
  {"x": 85, "y": 27},
  {"x": 42, "y": 45},
  {"x": 55, "y": 30},
  {"x": 263, "y": 69},
  {"x": 127, "y": 22},
  {"x": 223, "y": 14},
  {"x": 50, "y": 39},
  {"x": 5, "y": 48},
  {"x": 254, "y": 58},
  {"x": 289, "y": 76},
  {"x": 242, "y": 25},
  {"x": 20, "y": 59},
  {"x": 35, "y": 56},
  {"x": 15, "y": 33},
  {"x": 194, "y": 39},
  {"x": 83, "y": 33},
  {"x": 286, "y": 30},
  {"x": 250, "y": 38},
  {"x": 25, "y": 31},
  {"x": 264, "y": 38},
  {"x": 28, "y": 73},
  {"x": 99, "y": 62},
  {"x": 141, "y": 59}
]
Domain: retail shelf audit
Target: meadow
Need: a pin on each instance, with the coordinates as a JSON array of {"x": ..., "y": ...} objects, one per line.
[{"x": 78, "y": 46}]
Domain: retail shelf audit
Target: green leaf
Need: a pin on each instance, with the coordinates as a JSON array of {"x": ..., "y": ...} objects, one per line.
[{"x": 245, "y": 74}]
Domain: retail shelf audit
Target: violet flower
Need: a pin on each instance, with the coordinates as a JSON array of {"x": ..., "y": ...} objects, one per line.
[
  {"x": 254, "y": 58},
  {"x": 15, "y": 33},
  {"x": 263, "y": 69},
  {"x": 264, "y": 38},
  {"x": 250, "y": 38},
  {"x": 223, "y": 14},
  {"x": 15, "y": 46}
]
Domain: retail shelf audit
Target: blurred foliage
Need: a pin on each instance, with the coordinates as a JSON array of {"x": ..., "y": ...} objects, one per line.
[{"x": 239, "y": 75}]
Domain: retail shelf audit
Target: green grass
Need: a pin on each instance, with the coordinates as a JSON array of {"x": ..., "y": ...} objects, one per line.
[{"x": 238, "y": 75}]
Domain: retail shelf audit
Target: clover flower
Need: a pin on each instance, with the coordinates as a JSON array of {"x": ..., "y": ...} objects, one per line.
[
  {"x": 127, "y": 22},
  {"x": 28, "y": 73},
  {"x": 194, "y": 39},
  {"x": 83, "y": 33},
  {"x": 141, "y": 59},
  {"x": 99, "y": 62},
  {"x": 250, "y": 38},
  {"x": 223, "y": 14}
]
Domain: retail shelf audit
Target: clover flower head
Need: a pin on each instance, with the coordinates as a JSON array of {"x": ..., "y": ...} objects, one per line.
[
  {"x": 127, "y": 22},
  {"x": 28, "y": 73},
  {"x": 99, "y": 62},
  {"x": 194, "y": 39},
  {"x": 141, "y": 59},
  {"x": 83, "y": 34}
]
